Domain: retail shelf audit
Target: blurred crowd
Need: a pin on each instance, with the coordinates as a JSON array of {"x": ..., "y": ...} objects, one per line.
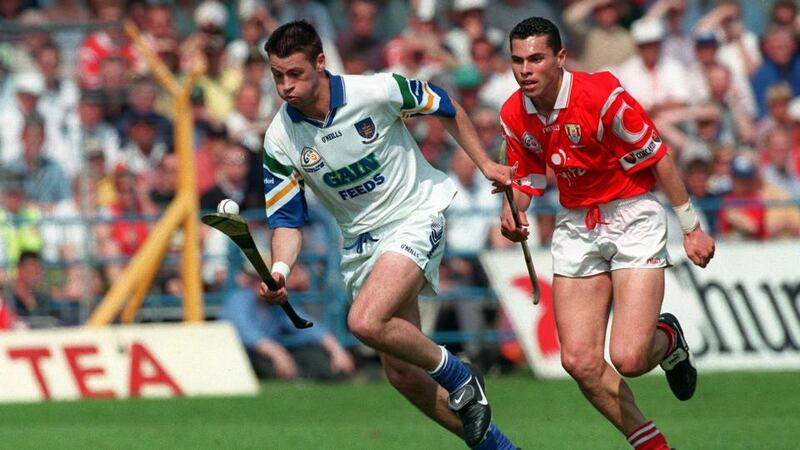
[{"x": 87, "y": 153}]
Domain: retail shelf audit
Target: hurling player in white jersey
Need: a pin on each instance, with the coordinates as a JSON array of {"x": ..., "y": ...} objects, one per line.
[{"x": 343, "y": 137}]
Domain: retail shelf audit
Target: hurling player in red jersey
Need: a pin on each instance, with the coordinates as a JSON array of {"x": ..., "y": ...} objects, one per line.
[{"x": 609, "y": 244}]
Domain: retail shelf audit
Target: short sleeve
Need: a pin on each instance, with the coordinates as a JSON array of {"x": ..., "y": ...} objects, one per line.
[
  {"x": 412, "y": 97},
  {"x": 283, "y": 189},
  {"x": 629, "y": 133}
]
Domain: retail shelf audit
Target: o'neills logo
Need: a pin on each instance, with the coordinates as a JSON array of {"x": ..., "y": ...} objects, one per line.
[{"x": 310, "y": 160}]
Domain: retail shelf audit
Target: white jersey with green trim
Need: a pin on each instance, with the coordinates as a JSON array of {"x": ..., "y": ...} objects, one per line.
[{"x": 361, "y": 162}]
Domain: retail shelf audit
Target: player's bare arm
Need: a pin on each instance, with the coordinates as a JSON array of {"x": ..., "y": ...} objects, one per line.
[
  {"x": 462, "y": 130},
  {"x": 699, "y": 246},
  {"x": 285, "y": 247},
  {"x": 508, "y": 226}
]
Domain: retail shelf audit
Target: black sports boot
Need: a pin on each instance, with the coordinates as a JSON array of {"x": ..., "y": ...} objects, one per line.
[
  {"x": 471, "y": 404},
  {"x": 681, "y": 373}
]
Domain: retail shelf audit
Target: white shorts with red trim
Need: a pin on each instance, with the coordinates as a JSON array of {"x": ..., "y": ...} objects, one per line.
[{"x": 622, "y": 234}]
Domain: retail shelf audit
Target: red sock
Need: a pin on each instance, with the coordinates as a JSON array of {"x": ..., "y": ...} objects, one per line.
[
  {"x": 672, "y": 337},
  {"x": 647, "y": 437}
]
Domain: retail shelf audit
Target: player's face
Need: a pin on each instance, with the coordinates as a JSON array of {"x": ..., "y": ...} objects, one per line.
[
  {"x": 297, "y": 78},
  {"x": 536, "y": 68}
]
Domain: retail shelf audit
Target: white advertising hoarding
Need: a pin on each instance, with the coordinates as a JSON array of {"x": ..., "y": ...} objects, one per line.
[
  {"x": 159, "y": 360},
  {"x": 741, "y": 312}
]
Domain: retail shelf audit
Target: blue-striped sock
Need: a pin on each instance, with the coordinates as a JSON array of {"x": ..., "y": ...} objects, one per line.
[
  {"x": 495, "y": 440},
  {"x": 451, "y": 373}
]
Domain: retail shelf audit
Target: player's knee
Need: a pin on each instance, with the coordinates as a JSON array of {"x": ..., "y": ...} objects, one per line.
[
  {"x": 629, "y": 363},
  {"x": 581, "y": 367},
  {"x": 364, "y": 328}
]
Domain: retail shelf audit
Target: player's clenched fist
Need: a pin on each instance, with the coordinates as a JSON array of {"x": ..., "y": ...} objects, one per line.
[
  {"x": 508, "y": 226},
  {"x": 699, "y": 247},
  {"x": 276, "y": 297}
]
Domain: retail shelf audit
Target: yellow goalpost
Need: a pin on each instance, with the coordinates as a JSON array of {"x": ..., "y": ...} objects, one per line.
[{"x": 129, "y": 289}]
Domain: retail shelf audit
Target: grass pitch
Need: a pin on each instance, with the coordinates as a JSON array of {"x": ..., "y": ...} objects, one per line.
[{"x": 729, "y": 411}]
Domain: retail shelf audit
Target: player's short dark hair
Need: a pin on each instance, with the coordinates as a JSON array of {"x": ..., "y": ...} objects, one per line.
[
  {"x": 294, "y": 37},
  {"x": 537, "y": 26}
]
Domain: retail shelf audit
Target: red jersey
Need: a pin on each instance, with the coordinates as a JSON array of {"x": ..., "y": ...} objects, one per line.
[{"x": 597, "y": 140}]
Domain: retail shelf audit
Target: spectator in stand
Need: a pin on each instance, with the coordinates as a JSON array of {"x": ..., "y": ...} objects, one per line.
[
  {"x": 59, "y": 96},
  {"x": 158, "y": 32},
  {"x": 677, "y": 43},
  {"x": 68, "y": 40},
  {"x": 233, "y": 181},
  {"x": 702, "y": 127},
  {"x": 115, "y": 81},
  {"x": 704, "y": 54},
  {"x": 495, "y": 70},
  {"x": 84, "y": 129},
  {"x": 602, "y": 42},
  {"x": 487, "y": 124},
  {"x": 208, "y": 158},
  {"x": 266, "y": 333},
  {"x": 245, "y": 124},
  {"x": 720, "y": 182},
  {"x": 218, "y": 83},
  {"x": 44, "y": 180},
  {"x": 737, "y": 123},
  {"x": 434, "y": 143},
  {"x": 777, "y": 160},
  {"x": 28, "y": 88},
  {"x": 129, "y": 227},
  {"x": 738, "y": 49},
  {"x": 781, "y": 63},
  {"x": 102, "y": 44},
  {"x": 656, "y": 81},
  {"x": 142, "y": 103},
  {"x": 419, "y": 51},
  {"x": 22, "y": 57},
  {"x": 784, "y": 14},
  {"x": 255, "y": 24},
  {"x": 256, "y": 73},
  {"x": 360, "y": 37},
  {"x": 777, "y": 96},
  {"x": 467, "y": 82},
  {"x": 28, "y": 293},
  {"x": 165, "y": 182},
  {"x": 754, "y": 209},
  {"x": 144, "y": 149},
  {"x": 20, "y": 223},
  {"x": 469, "y": 20}
]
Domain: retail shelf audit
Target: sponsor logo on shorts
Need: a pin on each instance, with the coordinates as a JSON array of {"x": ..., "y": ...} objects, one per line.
[
  {"x": 654, "y": 261},
  {"x": 310, "y": 160}
]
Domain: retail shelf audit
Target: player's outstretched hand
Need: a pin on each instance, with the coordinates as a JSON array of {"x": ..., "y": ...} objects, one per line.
[
  {"x": 699, "y": 247},
  {"x": 508, "y": 226},
  {"x": 274, "y": 297},
  {"x": 499, "y": 175}
]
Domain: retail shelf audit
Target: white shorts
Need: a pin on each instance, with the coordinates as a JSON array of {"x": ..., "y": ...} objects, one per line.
[
  {"x": 631, "y": 233},
  {"x": 419, "y": 237}
]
